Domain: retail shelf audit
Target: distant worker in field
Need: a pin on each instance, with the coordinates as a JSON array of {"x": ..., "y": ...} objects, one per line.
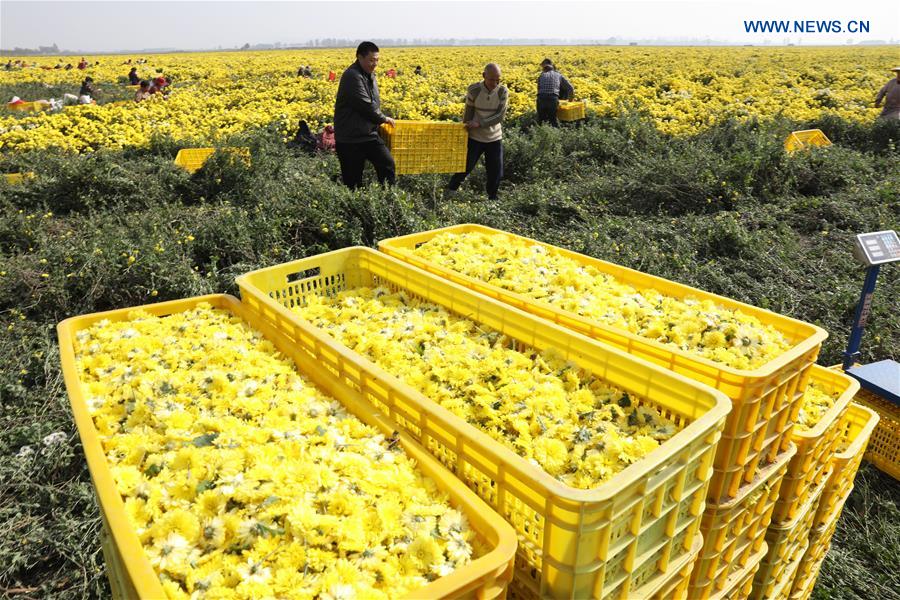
[
  {"x": 890, "y": 93},
  {"x": 418, "y": 71},
  {"x": 160, "y": 85},
  {"x": 143, "y": 92},
  {"x": 83, "y": 64},
  {"x": 88, "y": 93},
  {"x": 486, "y": 104},
  {"x": 331, "y": 75},
  {"x": 552, "y": 86},
  {"x": 357, "y": 115},
  {"x": 133, "y": 78}
]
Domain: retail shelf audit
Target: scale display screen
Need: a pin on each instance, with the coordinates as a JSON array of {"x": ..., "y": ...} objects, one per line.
[{"x": 877, "y": 248}]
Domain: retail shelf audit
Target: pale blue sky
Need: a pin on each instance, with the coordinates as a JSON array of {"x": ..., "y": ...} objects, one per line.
[{"x": 122, "y": 25}]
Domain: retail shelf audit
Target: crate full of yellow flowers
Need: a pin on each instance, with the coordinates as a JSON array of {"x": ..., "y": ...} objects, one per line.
[
  {"x": 228, "y": 465},
  {"x": 598, "y": 459},
  {"x": 426, "y": 146},
  {"x": 759, "y": 359}
]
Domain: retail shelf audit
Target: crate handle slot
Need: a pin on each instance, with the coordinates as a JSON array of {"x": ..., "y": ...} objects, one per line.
[{"x": 300, "y": 275}]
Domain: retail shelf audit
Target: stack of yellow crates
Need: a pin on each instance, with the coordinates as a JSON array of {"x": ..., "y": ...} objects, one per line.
[
  {"x": 803, "y": 486},
  {"x": 630, "y": 537},
  {"x": 753, "y": 455},
  {"x": 737, "y": 505},
  {"x": 426, "y": 146},
  {"x": 856, "y": 427}
]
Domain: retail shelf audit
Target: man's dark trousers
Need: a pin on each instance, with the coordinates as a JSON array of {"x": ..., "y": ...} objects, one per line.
[
  {"x": 547, "y": 105},
  {"x": 493, "y": 163},
  {"x": 353, "y": 159}
]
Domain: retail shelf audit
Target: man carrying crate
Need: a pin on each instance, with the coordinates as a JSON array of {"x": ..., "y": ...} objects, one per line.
[
  {"x": 486, "y": 103},
  {"x": 551, "y": 87},
  {"x": 357, "y": 115}
]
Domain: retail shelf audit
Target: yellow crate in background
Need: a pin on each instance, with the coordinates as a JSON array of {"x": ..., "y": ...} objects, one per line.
[
  {"x": 787, "y": 544},
  {"x": 426, "y": 146},
  {"x": 192, "y": 159},
  {"x": 736, "y": 587},
  {"x": 15, "y": 178},
  {"x": 816, "y": 447},
  {"x": 608, "y": 542},
  {"x": 29, "y": 106},
  {"x": 570, "y": 110},
  {"x": 857, "y": 426},
  {"x": 734, "y": 532},
  {"x": 884, "y": 446},
  {"x": 765, "y": 401},
  {"x": 128, "y": 568},
  {"x": 805, "y": 138}
]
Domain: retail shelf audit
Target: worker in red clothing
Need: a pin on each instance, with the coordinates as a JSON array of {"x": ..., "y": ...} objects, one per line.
[{"x": 331, "y": 75}]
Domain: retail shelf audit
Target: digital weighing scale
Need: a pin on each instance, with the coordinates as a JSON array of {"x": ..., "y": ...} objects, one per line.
[{"x": 881, "y": 378}]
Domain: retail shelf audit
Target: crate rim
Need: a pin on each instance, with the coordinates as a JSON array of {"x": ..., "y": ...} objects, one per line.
[
  {"x": 794, "y": 352},
  {"x": 143, "y": 577},
  {"x": 517, "y": 464}
]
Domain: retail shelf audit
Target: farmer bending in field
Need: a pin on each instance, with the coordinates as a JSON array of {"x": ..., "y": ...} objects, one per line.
[
  {"x": 143, "y": 93},
  {"x": 551, "y": 87},
  {"x": 357, "y": 115},
  {"x": 88, "y": 92},
  {"x": 486, "y": 103},
  {"x": 890, "y": 93}
]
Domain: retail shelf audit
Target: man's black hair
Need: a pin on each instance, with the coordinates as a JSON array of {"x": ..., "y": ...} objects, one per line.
[{"x": 366, "y": 48}]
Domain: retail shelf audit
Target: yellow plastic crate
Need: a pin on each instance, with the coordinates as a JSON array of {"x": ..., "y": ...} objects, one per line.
[
  {"x": 787, "y": 544},
  {"x": 673, "y": 588},
  {"x": 15, "y": 178},
  {"x": 736, "y": 587},
  {"x": 765, "y": 401},
  {"x": 734, "y": 532},
  {"x": 677, "y": 586},
  {"x": 858, "y": 425},
  {"x": 573, "y": 543},
  {"x": 884, "y": 445},
  {"x": 192, "y": 159},
  {"x": 780, "y": 588},
  {"x": 805, "y": 138},
  {"x": 129, "y": 570},
  {"x": 28, "y": 107},
  {"x": 815, "y": 447},
  {"x": 426, "y": 146},
  {"x": 811, "y": 564},
  {"x": 571, "y": 110}
]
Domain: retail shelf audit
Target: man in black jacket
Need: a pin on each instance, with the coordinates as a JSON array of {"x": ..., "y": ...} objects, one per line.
[{"x": 357, "y": 115}]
